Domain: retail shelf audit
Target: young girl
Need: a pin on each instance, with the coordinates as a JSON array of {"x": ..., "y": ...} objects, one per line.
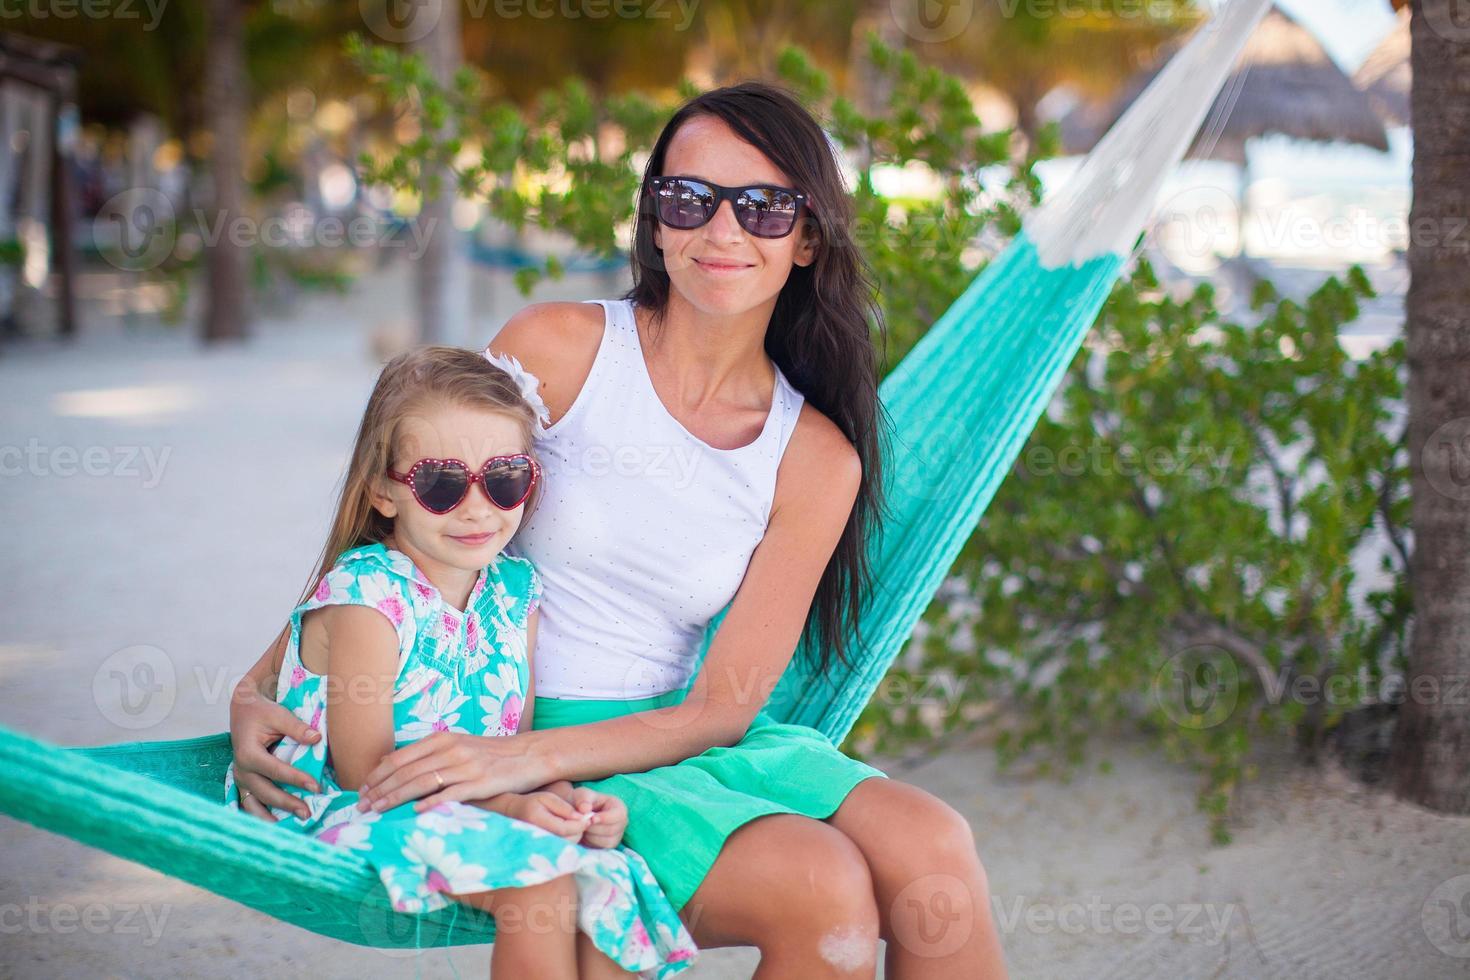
[{"x": 418, "y": 622}]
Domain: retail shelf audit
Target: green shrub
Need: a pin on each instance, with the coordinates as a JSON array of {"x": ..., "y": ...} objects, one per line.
[{"x": 1175, "y": 546}]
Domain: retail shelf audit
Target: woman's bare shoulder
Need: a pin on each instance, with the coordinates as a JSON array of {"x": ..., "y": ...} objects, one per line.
[
  {"x": 818, "y": 459},
  {"x": 546, "y": 332},
  {"x": 557, "y": 342}
]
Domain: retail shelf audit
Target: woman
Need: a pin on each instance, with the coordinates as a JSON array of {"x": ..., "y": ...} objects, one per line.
[{"x": 714, "y": 434}]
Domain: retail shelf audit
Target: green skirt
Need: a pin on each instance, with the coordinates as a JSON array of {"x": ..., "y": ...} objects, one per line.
[{"x": 680, "y": 815}]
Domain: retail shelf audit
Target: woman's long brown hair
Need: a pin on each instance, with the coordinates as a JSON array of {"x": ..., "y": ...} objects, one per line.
[{"x": 821, "y": 331}]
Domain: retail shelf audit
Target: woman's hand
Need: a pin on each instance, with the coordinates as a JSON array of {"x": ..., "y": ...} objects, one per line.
[
  {"x": 550, "y": 812},
  {"x": 256, "y": 724},
  {"x": 609, "y": 817},
  {"x": 453, "y": 767}
]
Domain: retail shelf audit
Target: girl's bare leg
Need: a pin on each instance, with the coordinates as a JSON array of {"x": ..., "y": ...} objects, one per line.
[
  {"x": 825, "y": 924},
  {"x": 534, "y": 929},
  {"x": 594, "y": 964},
  {"x": 932, "y": 892}
]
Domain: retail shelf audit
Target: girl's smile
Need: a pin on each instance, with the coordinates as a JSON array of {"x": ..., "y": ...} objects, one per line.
[{"x": 473, "y": 540}]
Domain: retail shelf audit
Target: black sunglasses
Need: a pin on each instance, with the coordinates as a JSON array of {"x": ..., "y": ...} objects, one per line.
[{"x": 764, "y": 210}]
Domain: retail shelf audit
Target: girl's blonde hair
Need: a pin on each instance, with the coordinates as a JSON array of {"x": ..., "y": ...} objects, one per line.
[{"x": 412, "y": 382}]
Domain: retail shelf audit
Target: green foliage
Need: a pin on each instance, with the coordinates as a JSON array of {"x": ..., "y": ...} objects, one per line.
[
  {"x": 571, "y": 163},
  {"x": 567, "y": 163},
  {"x": 1174, "y": 548},
  {"x": 275, "y": 175}
]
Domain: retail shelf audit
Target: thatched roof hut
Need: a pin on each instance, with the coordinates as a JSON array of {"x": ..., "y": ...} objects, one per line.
[
  {"x": 1284, "y": 83},
  {"x": 1385, "y": 77}
]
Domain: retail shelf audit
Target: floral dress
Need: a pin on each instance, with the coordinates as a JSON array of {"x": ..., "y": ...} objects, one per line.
[{"x": 462, "y": 672}]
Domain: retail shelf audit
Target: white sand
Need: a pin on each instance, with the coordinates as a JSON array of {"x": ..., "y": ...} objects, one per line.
[{"x": 1324, "y": 879}]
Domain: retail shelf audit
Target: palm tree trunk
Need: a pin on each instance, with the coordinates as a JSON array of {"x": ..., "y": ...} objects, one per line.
[
  {"x": 443, "y": 277},
  {"x": 1431, "y": 750},
  {"x": 227, "y": 261}
]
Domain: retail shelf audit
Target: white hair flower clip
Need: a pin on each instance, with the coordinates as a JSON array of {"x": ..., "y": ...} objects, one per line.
[{"x": 527, "y": 382}]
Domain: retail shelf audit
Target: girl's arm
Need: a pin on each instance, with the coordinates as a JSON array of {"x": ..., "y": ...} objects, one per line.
[
  {"x": 356, "y": 647},
  {"x": 816, "y": 486}
]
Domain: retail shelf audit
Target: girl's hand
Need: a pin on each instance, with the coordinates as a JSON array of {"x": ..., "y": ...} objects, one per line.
[
  {"x": 609, "y": 817},
  {"x": 256, "y": 724},
  {"x": 453, "y": 767},
  {"x": 550, "y": 812},
  {"x": 562, "y": 788}
]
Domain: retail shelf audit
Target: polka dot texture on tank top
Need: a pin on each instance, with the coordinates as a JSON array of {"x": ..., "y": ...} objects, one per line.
[{"x": 643, "y": 532}]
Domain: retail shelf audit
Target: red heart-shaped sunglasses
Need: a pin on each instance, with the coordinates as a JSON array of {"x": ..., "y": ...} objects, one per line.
[{"x": 440, "y": 485}]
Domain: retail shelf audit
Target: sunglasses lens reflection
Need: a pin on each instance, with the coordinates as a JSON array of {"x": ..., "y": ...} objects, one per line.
[
  {"x": 440, "y": 486},
  {"x": 685, "y": 203},
  {"x": 766, "y": 212},
  {"x": 507, "y": 482}
]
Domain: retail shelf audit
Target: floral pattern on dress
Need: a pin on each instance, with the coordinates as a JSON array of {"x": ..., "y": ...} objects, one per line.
[{"x": 462, "y": 671}]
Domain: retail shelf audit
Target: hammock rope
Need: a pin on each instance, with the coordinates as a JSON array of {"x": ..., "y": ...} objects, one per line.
[{"x": 964, "y": 401}]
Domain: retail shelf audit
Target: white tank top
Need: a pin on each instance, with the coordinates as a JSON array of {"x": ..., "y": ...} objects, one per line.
[{"x": 643, "y": 532}]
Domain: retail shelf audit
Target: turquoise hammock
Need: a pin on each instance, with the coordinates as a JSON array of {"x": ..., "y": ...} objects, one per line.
[{"x": 963, "y": 401}]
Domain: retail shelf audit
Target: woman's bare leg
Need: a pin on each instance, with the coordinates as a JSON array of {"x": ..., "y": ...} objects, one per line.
[
  {"x": 534, "y": 929},
  {"x": 931, "y": 889},
  {"x": 800, "y": 891}
]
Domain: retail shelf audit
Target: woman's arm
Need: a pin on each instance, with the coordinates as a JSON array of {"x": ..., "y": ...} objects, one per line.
[
  {"x": 261, "y": 677},
  {"x": 816, "y": 486},
  {"x": 256, "y": 724}
]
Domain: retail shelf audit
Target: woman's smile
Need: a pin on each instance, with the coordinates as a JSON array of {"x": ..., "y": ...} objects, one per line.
[{"x": 721, "y": 267}]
